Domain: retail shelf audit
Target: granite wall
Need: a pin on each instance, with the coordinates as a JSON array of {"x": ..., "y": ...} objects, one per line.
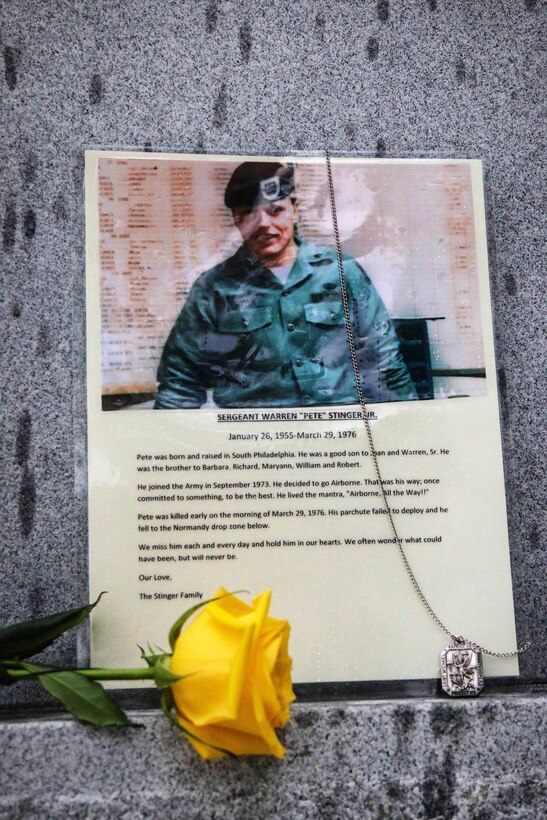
[
  {"x": 471, "y": 760},
  {"x": 420, "y": 76}
]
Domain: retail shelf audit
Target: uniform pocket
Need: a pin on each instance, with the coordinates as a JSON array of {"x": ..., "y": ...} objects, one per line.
[
  {"x": 326, "y": 314},
  {"x": 244, "y": 320}
]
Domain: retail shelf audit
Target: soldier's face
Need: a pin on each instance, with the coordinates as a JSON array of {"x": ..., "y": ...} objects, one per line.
[{"x": 267, "y": 228}]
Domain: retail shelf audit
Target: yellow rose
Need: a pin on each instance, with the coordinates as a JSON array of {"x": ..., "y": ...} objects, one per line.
[{"x": 238, "y": 689}]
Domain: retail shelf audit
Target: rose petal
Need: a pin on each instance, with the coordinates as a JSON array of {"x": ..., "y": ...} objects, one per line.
[{"x": 238, "y": 688}]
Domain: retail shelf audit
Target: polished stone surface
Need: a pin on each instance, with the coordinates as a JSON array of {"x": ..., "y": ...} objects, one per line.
[
  {"x": 423, "y": 76},
  {"x": 398, "y": 759},
  {"x": 384, "y": 78}
]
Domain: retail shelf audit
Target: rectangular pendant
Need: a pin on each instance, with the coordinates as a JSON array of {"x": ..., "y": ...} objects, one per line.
[{"x": 461, "y": 670}]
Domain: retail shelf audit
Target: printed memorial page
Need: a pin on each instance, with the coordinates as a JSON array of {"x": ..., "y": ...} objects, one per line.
[{"x": 226, "y": 440}]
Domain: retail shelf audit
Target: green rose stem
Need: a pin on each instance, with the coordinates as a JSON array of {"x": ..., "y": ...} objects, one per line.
[
  {"x": 119, "y": 674},
  {"x": 79, "y": 690},
  {"x": 95, "y": 674}
]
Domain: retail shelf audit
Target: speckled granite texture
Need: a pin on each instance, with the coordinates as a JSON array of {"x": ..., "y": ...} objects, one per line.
[
  {"x": 450, "y": 77},
  {"x": 443, "y": 76},
  {"x": 391, "y": 759}
]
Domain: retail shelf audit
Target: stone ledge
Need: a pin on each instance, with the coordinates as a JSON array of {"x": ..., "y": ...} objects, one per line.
[{"x": 398, "y": 759}]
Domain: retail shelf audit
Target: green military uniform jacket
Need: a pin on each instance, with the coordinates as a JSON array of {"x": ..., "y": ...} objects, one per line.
[{"x": 259, "y": 343}]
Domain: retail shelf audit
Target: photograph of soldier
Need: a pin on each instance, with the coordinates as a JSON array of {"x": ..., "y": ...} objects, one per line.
[{"x": 265, "y": 327}]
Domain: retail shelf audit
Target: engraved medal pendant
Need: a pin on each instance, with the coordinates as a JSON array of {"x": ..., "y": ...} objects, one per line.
[{"x": 461, "y": 669}]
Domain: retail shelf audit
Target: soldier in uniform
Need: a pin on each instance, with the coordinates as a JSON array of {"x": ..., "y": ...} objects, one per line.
[{"x": 265, "y": 328}]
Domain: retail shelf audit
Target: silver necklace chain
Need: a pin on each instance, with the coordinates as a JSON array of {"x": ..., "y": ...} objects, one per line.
[{"x": 364, "y": 411}]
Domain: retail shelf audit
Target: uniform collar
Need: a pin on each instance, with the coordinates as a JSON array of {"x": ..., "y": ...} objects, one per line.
[
  {"x": 306, "y": 261},
  {"x": 243, "y": 264}
]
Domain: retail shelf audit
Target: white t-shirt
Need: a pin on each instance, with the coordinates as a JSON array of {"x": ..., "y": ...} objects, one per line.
[{"x": 282, "y": 272}]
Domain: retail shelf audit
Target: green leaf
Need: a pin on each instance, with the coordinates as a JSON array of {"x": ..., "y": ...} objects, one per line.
[
  {"x": 149, "y": 659},
  {"x": 152, "y": 658},
  {"x": 163, "y": 677},
  {"x": 84, "y": 698},
  {"x": 167, "y": 706},
  {"x": 175, "y": 630},
  {"x": 27, "y": 638}
]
